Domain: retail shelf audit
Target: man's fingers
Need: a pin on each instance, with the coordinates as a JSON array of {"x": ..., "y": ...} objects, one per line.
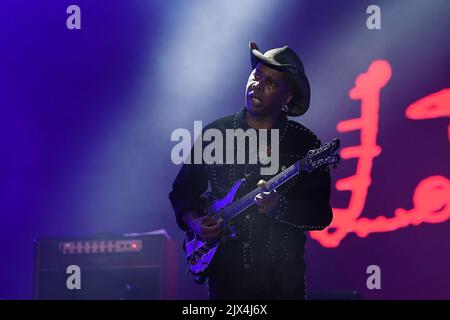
[
  {"x": 211, "y": 228},
  {"x": 209, "y": 221},
  {"x": 211, "y": 233},
  {"x": 266, "y": 196},
  {"x": 260, "y": 201},
  {"x": 261, "y": 183},
  {"x": 267, "y": 201}
]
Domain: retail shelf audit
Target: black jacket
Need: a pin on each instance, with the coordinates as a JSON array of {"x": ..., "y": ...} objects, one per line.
[{"x": 261, "y": 240}]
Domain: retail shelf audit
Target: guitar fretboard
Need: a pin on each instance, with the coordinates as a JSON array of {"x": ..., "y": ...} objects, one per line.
[{"x": 246, "y": 201}]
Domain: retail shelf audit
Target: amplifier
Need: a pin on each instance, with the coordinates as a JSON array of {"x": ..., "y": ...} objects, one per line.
[{"x": 137, "y": 267}]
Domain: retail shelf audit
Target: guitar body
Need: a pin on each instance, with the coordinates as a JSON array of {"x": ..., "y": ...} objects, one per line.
[{"x": 199, "y": 253}]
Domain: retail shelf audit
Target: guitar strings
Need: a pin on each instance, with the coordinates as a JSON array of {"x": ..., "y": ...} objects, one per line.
[
  {"x": 286, "y": 175},
  {"x": 242, "y": 203}
]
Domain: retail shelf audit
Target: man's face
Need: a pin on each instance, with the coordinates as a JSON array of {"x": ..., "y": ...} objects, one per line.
[{"x": 266, "y": 92}]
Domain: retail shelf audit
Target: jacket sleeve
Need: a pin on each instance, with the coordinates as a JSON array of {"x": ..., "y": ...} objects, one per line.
[
  {"x": 190, "y": 183},
  {"x": 308, "y": 202}
]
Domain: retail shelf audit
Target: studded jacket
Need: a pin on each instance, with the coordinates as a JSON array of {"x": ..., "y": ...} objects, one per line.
[{"x": 261, "y": 239}]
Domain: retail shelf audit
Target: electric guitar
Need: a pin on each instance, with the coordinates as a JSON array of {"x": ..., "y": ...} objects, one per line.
[{"x": 199, "y": 254}]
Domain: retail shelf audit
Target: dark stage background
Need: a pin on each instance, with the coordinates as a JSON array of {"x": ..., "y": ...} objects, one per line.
[{"x": 87, "y": 115}]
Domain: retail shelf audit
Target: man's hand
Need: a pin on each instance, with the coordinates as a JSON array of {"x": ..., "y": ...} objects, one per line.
[
  {"x": 267, "y": 201},
  {"x": 207, "y": 228}
]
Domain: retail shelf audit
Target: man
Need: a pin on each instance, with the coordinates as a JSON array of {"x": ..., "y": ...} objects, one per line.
[{"x": 265, "y": 258}]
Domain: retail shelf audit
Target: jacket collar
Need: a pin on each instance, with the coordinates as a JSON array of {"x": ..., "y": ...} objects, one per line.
[{"x": 241, "y": 122}]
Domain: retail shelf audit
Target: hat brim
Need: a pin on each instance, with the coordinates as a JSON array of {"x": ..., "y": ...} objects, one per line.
[{"x": 302, "y": 91}]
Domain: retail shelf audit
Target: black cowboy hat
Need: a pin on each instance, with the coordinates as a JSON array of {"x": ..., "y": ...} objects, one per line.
[{"x": 287, "y": 61}]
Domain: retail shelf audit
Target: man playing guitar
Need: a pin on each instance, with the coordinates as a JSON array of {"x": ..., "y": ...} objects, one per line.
[{"x": 262, "y": 257}]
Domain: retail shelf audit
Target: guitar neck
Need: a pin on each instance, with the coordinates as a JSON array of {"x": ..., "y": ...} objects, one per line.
[{"x": 247, "y": 201}]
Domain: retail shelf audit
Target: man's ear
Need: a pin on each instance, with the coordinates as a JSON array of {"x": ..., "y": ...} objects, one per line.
[{"x": 289, "y": 98}]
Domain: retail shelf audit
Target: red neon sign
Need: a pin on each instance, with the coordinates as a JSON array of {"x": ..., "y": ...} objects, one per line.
[
  {"x": 433, "y": 106},
  {"x": 431, "y": 199}
]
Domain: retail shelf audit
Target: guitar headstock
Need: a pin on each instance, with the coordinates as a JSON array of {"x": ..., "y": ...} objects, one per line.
[{"x": 325, "y": 155}]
